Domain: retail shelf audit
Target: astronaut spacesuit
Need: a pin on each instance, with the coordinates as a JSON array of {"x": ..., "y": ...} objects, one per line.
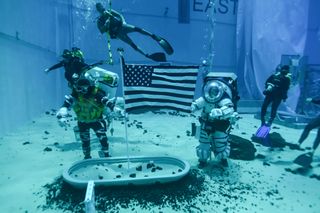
[
  {"x": 92, "y": 106},
  {"x": 218, "y": 114}
]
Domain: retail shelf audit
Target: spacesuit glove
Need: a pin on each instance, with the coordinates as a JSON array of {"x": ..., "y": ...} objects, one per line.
[
  {"x": 193, "y": 107},
  {"x": 110, "y": 103},
  {"x": 227, "y": 111},
  {"x": 119, "y": 113},
  {"x": 234, "y": 118},
  {"x": 216, "y": 113},
  {"x": 62, "y": 115},
  {"x": 62, "y": 112},
  {"x": 63, "y": 122}
]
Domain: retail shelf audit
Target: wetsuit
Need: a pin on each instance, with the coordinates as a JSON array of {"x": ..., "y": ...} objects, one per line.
[{"x": 277, "y": 86}]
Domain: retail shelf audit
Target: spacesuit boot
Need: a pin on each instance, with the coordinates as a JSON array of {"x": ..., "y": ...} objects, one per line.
[
  {"x": 105, "y": 151},
  {"x": 203, "y": 151},
  {"x": 202, "y": 164},
  {"x": 224, "y": 162},
  {"x": 86, "y": 152}
]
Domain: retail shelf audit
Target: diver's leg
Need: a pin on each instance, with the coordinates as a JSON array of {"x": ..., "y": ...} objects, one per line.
[
  {"x": 203, "y": 150},
  {"x": 274, "y": 107},
  {"x": 100, "y": 128},
  {"x": 221, "y": 146},
  {"x": 311, "y": 125},
  {"x": 266, "y": 102},
  {"x": 125, "y": 38},
  {"x": 316, "y": 141},
  {"x": 85, "y": 138},
  {"x": 127, "y": 28}
]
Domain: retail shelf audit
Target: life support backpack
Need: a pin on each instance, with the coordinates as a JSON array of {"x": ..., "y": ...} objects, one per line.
[{"x": 105, "y": 80}]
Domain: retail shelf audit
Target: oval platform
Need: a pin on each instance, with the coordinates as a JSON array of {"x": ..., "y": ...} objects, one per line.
[{"x": 116, "y": 171}]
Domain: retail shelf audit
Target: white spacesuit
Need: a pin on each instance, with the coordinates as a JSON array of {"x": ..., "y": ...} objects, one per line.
[{"x": 218, "y": 114}]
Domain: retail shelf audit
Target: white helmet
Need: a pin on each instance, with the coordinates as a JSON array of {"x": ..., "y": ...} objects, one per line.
[{"x": 213, "y": 91}]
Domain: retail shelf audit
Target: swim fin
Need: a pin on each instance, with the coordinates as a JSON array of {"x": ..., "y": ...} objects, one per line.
[
  {"x": 263, "y": 131},
  {"x": 164, "y": 44},
  {"x": 159, "y": 57},
  {"x": 304, "y": 160}
]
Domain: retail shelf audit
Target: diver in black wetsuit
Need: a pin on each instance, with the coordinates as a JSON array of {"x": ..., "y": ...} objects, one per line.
[
  {"x": 73, "y": 63},
  {"x": 314, "y": 123},
  {"x": 277, "y": 86},
  {"x": 114, "y": 23}
]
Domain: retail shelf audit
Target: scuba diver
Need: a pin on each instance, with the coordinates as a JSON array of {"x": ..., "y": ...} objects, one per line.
[
  {"x": 113, "y": 23},
  {"x": 218, "y": 115},
  {"x": 276, "y": 89},
  {"x": 89, "y": 104},
  {"x": 73, "y": 63}
]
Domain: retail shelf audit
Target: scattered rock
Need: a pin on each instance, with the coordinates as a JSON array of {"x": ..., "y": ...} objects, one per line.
[
  {"x": 133, "y": 175},
  {"x": 266, "y": 164},
  {"x": 25, "y": 143},
  {"x": 150, "y": 165},
  {"x": 241, "y": 148},
  {"x": 47, "y": 149},
  {"x": 139, "y": 168},
  {"x": 260, "y": 156}
]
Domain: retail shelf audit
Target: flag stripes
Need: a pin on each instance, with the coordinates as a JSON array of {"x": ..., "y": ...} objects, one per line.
[{"x": 155, "y": 87}]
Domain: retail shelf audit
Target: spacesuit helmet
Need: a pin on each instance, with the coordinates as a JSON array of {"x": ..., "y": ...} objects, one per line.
[
  {"x": 82, "y": 85},
  {"x": 213, "y": 91}
]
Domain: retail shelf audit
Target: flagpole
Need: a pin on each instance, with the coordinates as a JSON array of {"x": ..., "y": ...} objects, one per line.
[{"x": 120, "y": 50}]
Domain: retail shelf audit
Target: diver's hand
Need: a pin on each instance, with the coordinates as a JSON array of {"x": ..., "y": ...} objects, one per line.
[
  {"x": 308, "y": 100},
  {"x": 47, "y": 70}
]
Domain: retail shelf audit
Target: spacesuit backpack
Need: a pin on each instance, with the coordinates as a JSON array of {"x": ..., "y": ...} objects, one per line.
[{"x": 105, "y": 80}]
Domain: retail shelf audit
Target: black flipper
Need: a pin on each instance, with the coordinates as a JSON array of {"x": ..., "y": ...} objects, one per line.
[
  {"x": 304, "y": 160},
  {"x": 164, "y": 44},
  {"x": 159, "y": 57}
]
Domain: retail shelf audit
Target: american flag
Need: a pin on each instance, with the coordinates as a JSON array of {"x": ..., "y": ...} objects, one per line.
[{"x": 159, "y": 87}]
